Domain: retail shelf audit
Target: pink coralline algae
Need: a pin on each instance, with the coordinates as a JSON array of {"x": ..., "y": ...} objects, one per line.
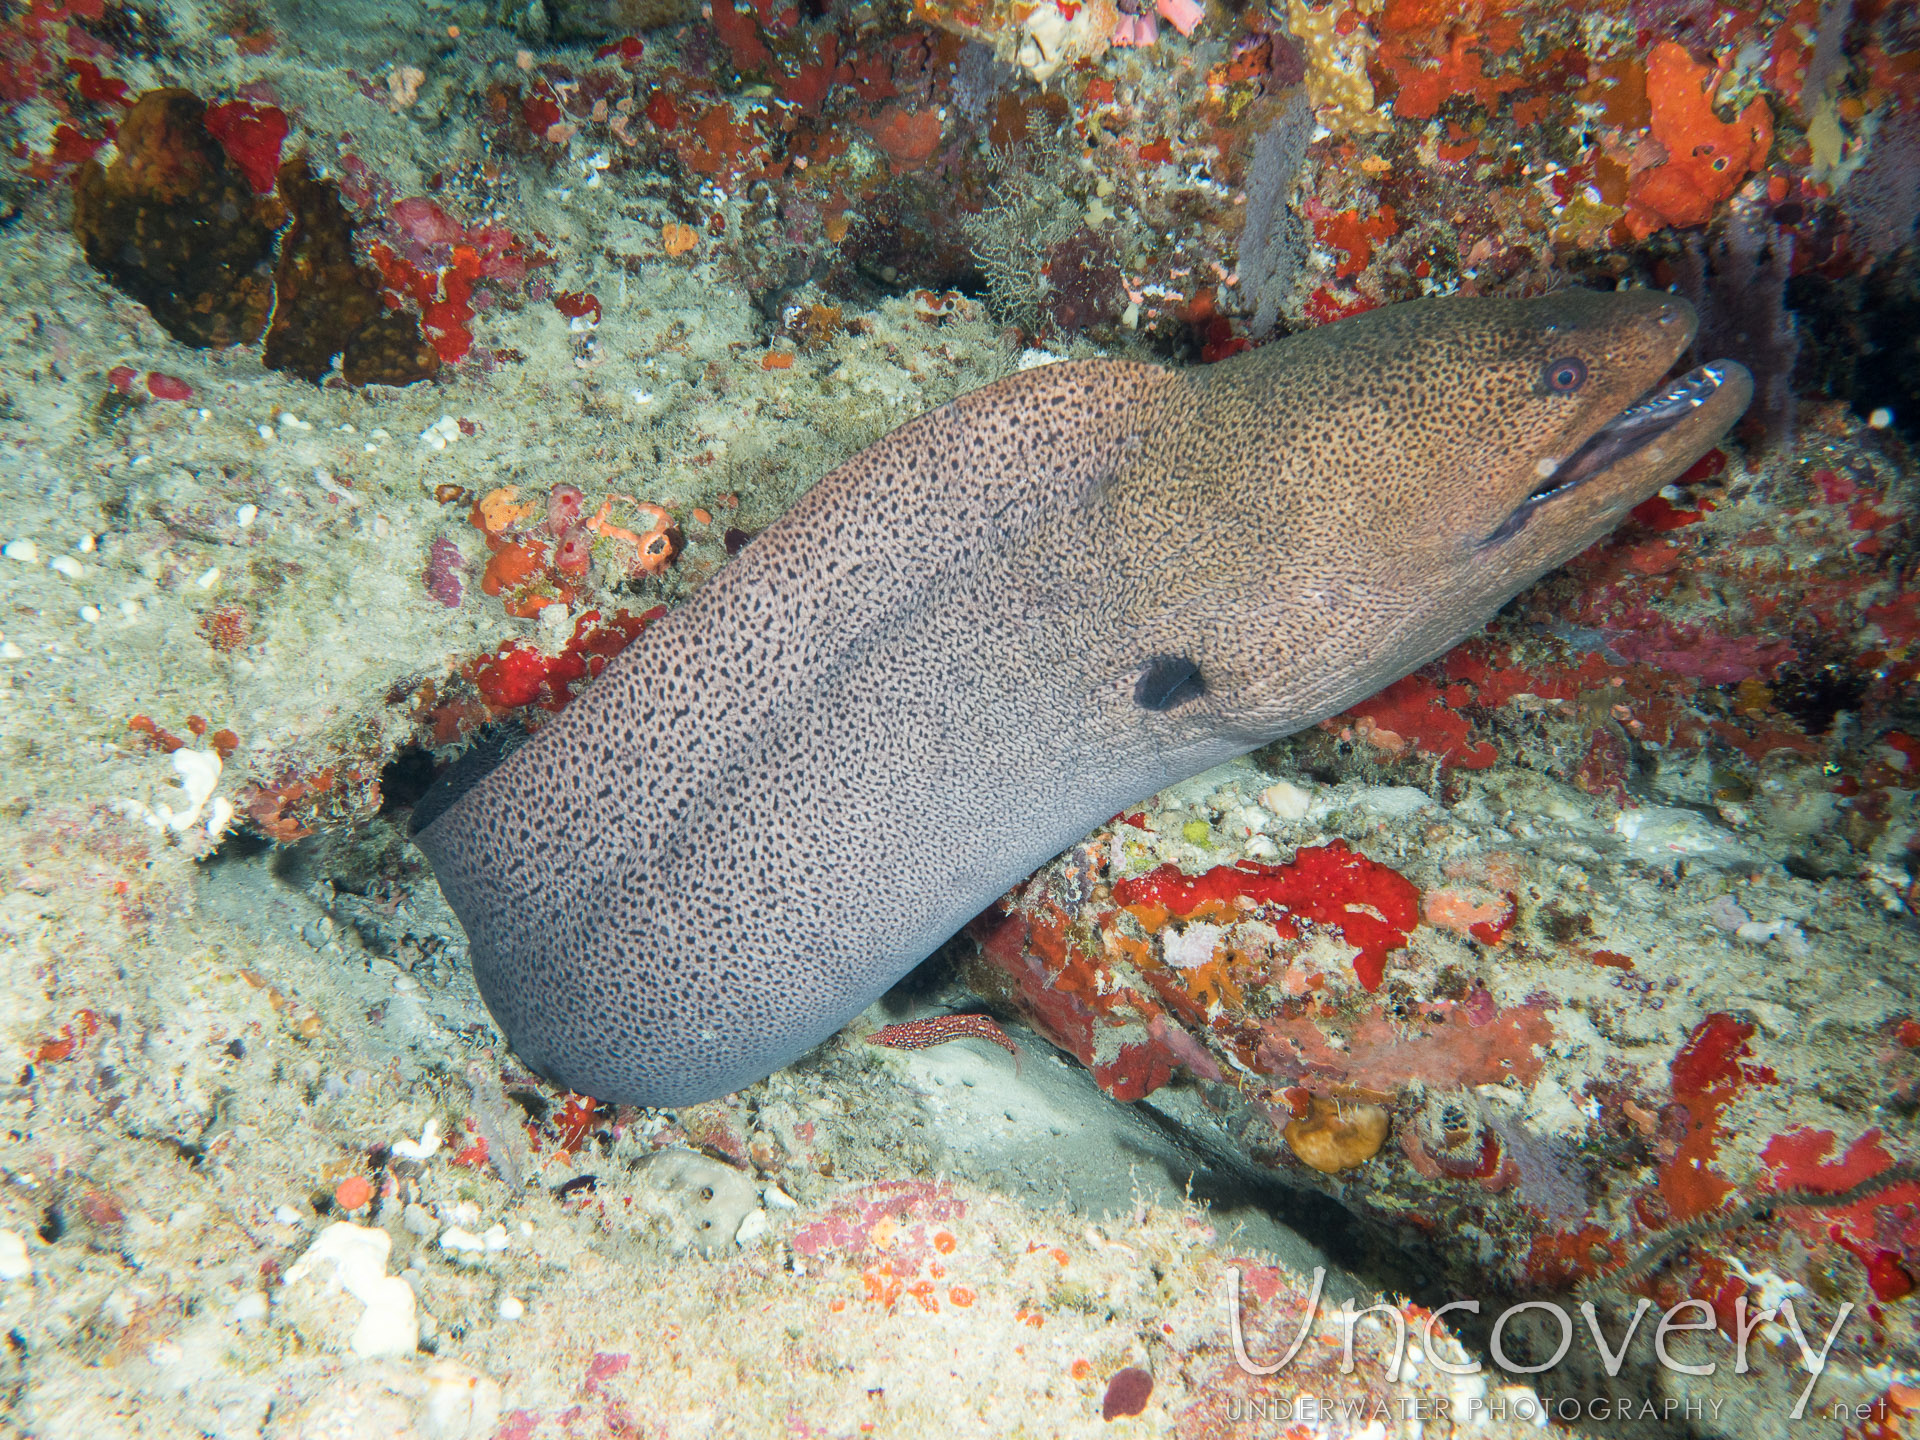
[
  {"x": 1127, "y": 1393},
  {"x": 903, "y": 1207},
  {"x": 601, "y": 1367},
  {"x": 444, "y": 568},
  {"x": 1457, "y": 1047},
  {"x": 1696, "y": 651},
  {"x": 161, "y": 387},
  {"x": 566, "y": 508},
  {"x": 167, "y": 387},
  {"x": 1135, "y": 26},
  {"x": 573, "y": 555}
]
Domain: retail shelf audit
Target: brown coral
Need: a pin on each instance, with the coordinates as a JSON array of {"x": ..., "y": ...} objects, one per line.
[
  {"x": 329, "y": 304},
  {"x": 1337, "y": 1135},
  {"x": 173, "y": 223},
  {"x": 1085, "y": 286}
]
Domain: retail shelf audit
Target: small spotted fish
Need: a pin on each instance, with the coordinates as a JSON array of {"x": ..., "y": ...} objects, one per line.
[{"x": 939, "y": 1029}]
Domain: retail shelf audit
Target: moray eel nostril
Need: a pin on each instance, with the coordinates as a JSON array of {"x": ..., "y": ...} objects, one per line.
[{"x": 1003, "y": 623}]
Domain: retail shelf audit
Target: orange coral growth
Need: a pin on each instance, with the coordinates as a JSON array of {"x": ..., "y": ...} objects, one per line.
[
  {"x": 512, "y": 565},
  {"x": 1459, "y": 144},
  {"x": 908, "y": 137},
  {"x": 1192, "y": 992},
  {"x": 656, "y": 549},
  {"x": 63, "y": 1048},
  {"x": 1461, "y": 910},
  {"x": 1345, "y": 230},
  {"x": 353, "y": 1192},
  {"x": 1461, "y": 71},
  {"x": 267, "y": 806},
  {"x": 808, "y": 88},
  {"x": 1337, "y": 1135},
  {"x": 513, "y": 675},
  {"x": 1619, "y": 87},
  {"x": 1529, "y": 110},
  {"x": 655, "y": 546},
  {"x": 741, "y": 36},
  {"x": 1787, "y": 61},
  {"x": 1708, "y": 1072},
  {"x": 721, "y": 145},
  {"x": 444, "y": 314},
  {"x": 529, "y": 604},
  {"x": 1557, "y": 1261},
  {"x": 1414, "y": 709},
  {"x": 1402, "y": 18},
  {"x": 495, "y": 510},
  {"x": 161, "y": 740},
  {"x": 1707, "y": 157}
]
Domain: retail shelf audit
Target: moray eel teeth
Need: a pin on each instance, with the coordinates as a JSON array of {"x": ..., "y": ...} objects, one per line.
[
  {"x": 1635, "y": 427},
  {"x": 1014, "y": 616}
]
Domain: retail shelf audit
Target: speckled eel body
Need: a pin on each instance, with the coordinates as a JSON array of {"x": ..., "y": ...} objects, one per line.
[{"x": 1009, "y": 619}]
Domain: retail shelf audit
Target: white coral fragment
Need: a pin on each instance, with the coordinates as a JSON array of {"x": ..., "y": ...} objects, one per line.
[
  {"x": 199, "y": 772},
  {"x": 427, "y": 1145},
  {"x": 358, "y": 1253},
  {"x": 442, "y": 433},
  {"x": 14, "y": 1261},
  {"x": 1049, "y": 39}
]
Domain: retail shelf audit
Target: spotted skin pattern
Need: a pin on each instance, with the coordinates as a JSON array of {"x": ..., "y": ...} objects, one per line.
[
  {"x": 927, "y": 678},
  {"x": 939, "y": 1029}
]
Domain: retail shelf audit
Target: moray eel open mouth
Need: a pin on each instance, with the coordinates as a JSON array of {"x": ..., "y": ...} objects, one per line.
[{"x": 1640, "y": 424}]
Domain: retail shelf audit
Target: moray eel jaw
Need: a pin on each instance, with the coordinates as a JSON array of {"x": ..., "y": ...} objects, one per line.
[
  {"x": 1639, "y": 441},
  {"x": 1603, "y": 426}
]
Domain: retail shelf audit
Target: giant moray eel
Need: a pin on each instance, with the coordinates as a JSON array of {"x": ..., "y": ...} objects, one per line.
[{"x": 1004, "y": 622}]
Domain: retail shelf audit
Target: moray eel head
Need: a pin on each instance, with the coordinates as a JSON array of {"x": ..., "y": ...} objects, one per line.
[
  {"x": 1603, "y": 423},
  {"x": 1480, "y": 443}
]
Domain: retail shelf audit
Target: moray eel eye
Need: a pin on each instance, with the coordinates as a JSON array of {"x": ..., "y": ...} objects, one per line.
[{"x": 1563, "y": 377}]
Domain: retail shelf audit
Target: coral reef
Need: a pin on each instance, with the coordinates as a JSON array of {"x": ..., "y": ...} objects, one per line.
[{"x": 174, "y": 224}]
